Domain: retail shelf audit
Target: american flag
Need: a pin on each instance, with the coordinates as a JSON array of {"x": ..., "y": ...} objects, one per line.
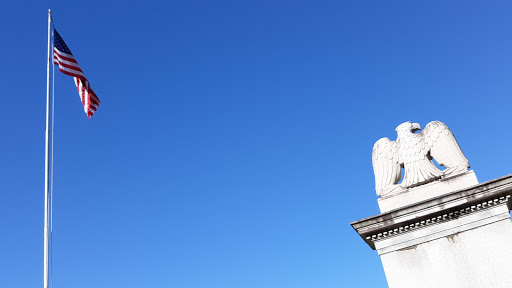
[{"x": 67, "y": 64}]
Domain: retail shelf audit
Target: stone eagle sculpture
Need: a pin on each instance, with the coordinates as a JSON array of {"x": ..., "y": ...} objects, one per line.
[{"x": 414, "y": 152}]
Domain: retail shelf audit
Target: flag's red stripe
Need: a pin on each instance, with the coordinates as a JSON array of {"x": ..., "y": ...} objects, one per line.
[
  {"x": 70, "y": 66},
  {"x": 66, "y": 65},
  {"x": 79, "y": 73},
  {"x": 94, "y": 98},
  {"x": 60, "y": 59},
  {"x": 69, "y": 73},
  {"x": 93, "y": 102},
  {"x": 70, "y": 59}
]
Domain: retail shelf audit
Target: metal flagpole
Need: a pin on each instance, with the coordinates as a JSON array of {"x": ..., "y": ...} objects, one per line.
[{"x": 47, "y": 164}]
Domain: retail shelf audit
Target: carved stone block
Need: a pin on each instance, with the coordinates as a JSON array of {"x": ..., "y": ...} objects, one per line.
[{"x": 457, "y": 239}]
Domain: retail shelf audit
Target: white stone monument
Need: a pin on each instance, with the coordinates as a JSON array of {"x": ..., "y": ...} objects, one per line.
[{"x": 437, "y": 228}]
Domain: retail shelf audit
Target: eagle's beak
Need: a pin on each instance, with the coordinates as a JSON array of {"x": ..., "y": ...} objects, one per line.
[{"x": 415, "y": 127}]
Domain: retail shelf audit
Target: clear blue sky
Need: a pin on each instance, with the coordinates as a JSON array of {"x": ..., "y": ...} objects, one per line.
[{"x": 233, "y": 144}]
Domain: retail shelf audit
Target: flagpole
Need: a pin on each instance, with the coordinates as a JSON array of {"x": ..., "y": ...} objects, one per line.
[{"x": 47, "y": 163}]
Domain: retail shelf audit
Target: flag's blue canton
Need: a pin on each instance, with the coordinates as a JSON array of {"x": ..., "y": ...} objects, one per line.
[{"x": 59, "y": 43}]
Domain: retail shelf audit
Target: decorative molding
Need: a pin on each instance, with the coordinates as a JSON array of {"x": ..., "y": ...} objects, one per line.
[
  {"x": 436, "y": 211},
  {"x": 438, "y": 219}
]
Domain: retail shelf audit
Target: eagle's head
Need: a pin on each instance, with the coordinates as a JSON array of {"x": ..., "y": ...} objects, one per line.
[{"x": 407, "y": 128}]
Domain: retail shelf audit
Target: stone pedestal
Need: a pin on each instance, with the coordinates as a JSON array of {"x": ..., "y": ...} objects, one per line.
[
  {"x": 431, "y": 190},
  {"x": 454, "y": 239}
]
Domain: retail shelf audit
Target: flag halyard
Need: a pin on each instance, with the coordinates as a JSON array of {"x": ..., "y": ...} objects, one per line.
[{"x": 68, "y": 65}]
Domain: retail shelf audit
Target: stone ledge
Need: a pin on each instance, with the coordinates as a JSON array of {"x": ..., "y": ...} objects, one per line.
[
  {"x": 441, "y": 218},
  {"x": 443, "y": 226},
  {"x": 444, "y": 208},
  {"x": 424, "y": 192}
]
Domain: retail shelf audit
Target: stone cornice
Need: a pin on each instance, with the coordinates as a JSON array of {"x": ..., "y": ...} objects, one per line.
[{"x": 436, "y": 210}]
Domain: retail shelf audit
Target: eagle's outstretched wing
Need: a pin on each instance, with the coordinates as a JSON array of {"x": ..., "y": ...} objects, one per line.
[
  {"x": 444, "y": 147},
  {"x": 386, "y": 164}
]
